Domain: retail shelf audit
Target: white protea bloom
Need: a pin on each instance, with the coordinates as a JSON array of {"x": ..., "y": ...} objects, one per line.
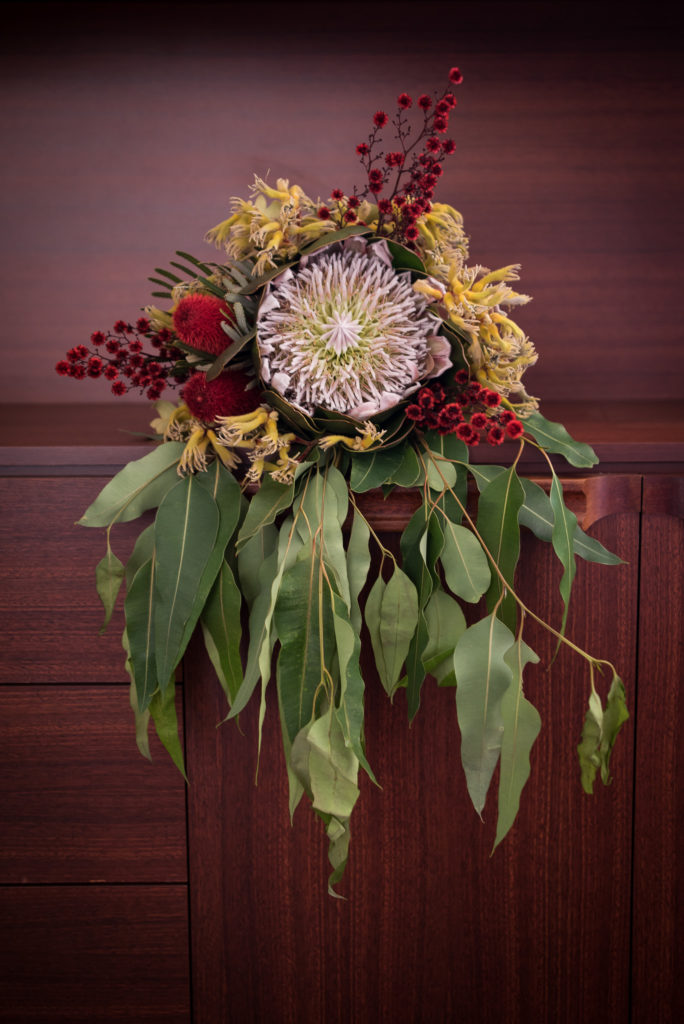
[{"x": 345, "y": 331}]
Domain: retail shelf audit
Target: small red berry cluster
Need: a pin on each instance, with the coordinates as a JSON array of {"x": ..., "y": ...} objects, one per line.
[
  {"x": 411, "y": 173},
  {"x": 467, "y": 410},
  {"x": 118, "y": 356}
]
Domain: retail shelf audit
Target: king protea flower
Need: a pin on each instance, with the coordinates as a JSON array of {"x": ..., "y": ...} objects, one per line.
[{"x": 346, "y": 332}]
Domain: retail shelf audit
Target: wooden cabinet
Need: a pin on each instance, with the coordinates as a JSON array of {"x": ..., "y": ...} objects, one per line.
[{"x": 131, "y": 891}]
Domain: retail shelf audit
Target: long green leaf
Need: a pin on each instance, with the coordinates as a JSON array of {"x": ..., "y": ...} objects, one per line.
[
  {"x": 251, "y": 557},
  {"x": 465, "y": 564},
  {"x": 349, "y": 708},
  {"x": 537, "y": 515},
  {"x": 109, "y": 575},
  {"x": 497, "y": 524},
  {"x": 600, "y": 732},
  {"x": 372, "y": 469},
  {"x": 163, "y": 712},
  {"x": 139, "y": 486},
  {"x": 270, "y": 499},
  {"x": 555, "y": 438},
  {"x": 445, "y": 625},
  {"x": 303, "y": 621},
  {"x": 185, "y": 533},
  {"x": 139, "y": 611},
  {"x": 142, "y": 718},
  {"x": 564, "y": 526},
  {"x": 521, "y": 722},
  {"x": 391, "y": 617},
  {"x": 220, "y": 620},
  {"x": 482, "y": 678},
  {"x": 416, "y": 565},
  {"x": 358, "y": 564}
]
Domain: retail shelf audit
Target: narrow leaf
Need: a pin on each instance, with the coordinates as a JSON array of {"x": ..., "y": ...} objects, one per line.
[
  {"x": 497, "y": 524},
  {"x": 537, "y": 515},
  {"x": 139, "y": 612},
  {"x": 358, "y": 564},
  {"x": 600, "y": 732},
  {"x": 445, "y": 625},
  {"x": 270, "y": 499},
  {"x": 482, "y": 679},
  {"x": 139, "y": 486},
  {"x": 185, "y": 532},
  {"x": 220, "y": 619},
  {"x": 465, "y": 564},
  {"x": 398, "y": 618},
  {"x": 109, "y": 575},
  {"x": 555, "y": 438},
  {"x": 521, "y": 722},
  {"x": 163, "y": 712},
  {"x": 349, "y": 709},
  {"x": 142, "y": 718},
  {"x": 564, "y": 526}
]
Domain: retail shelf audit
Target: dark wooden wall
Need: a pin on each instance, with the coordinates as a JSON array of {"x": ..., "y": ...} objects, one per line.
[{"x": 128, "y": 127}]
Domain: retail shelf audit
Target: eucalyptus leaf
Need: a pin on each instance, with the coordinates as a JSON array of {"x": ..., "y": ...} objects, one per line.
[
  {"x": 497, "y": 524},
  {"x": 185, "y": 533},
  {"x": 139, "y": 612},
  {"x": 392, "y": 624},
  {"x": 409, "y": 472},
  {"x": 466, "y": 569},
  {"x": 415, "y": 563},
  {"x": 521, "y": 722},
  {"x": 358, "y": 565},
  {"x": 163, "y": 712},
  {"x": 250, "y": 558},
  {"x": 446, "y": 624},
  {"x": 109, "y": 575},
  {"x": 142, "y": 718},
  {"x": 371, "y": 470},
  {"x": 555, "y": 438},
  {"x": 220, "y": 620},
  {"x": 229, "y": 353},
  {"x": 537, "y": 515},
  {"x": 564, "y": 526},
  {"x": 270, "y": 499},
  {"x": 600, "y": 732},
  {"x": 483, "y": 676},
  {"x": 139, "y": 486},
  {"x": 349, "y": 709}
]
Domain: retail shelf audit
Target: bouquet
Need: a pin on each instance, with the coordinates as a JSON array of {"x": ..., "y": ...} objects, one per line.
[{"x": 339, "y": 347}]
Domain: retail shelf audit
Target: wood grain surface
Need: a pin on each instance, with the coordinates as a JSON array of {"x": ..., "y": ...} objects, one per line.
[
  {"x": 94, "y": 954},
  {"x": 433, "y": 929},
  {"x": 78, "y": 802},
  {"x": 659, "y": 767}
]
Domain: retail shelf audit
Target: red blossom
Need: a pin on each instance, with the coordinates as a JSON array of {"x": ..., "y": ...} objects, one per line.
[
  {"x": 433, "y": 145},
  {"x": 118, "y": 388},
  {"x": 142, "y": 325},
  {"x": 515, "y": 428},
  {"x": 455, "y": 76},
  {"x": 384, "y": 206},
  {"x": 97, "y": 338},
  {"x": 491, "y": 398},
  {"x": 424, "y": 102},
  {"x": 121, "y": 327},
  {"x": 350, "y": 215},
  {"x": 414, "y": 412},
  {"x": 478, "y": 420},
  {"x": 380, "y": 118},
  {"x": 450, "y": 99},
  {"x": 374, "y": 187},
  {"x": 353, "y": 202},
  {"x": 440, "y": 124},
  {"x": 111, "y": 372},
  {"x": 198, "y": 318},
  {"x": 394, "y": 159},
  {"x": 323, "y": 213},
  {"x": 495, "y": 435},
  {"x": 505, "y": 417},
  {"x": 448, "y": 146},
  {"x": 95, "y": 366},
  {"x": 337, "y": 193},
  {"x": 404, "y": 100},
  {"x": 442, "y": 107},
  {"x": 63, "y": 368},
  {"x": 226, "y": 395},
  {"x": 78, "y": 371},
  {"x": 112, "y": 346},
  {"x": 362, "y": 149}
]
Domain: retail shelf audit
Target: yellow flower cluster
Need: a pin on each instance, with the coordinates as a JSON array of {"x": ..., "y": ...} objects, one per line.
[{"x": 277, "y": 221}]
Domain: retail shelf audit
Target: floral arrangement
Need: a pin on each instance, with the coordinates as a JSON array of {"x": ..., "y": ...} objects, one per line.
[{"x": 340, "y": 347}]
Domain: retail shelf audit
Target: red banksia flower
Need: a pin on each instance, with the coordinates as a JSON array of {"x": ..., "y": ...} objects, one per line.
[
  {"x": 197, "y": 319},
  {"x": 224, "y": 396},
  {"x": 404, "y": 100},
  {"x": 380, "y": 118},
  {"x": 455, "y": 76}
]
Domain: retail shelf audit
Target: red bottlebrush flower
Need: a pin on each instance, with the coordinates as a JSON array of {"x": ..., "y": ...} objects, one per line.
[
  {"x": 350, "y": 215},
  {"x": 224, "y": 396},
  {"x": 380, "y": 118},
  {"x": 515, "y": 428},
  {"x": 63, "y": 368},
  {"x": 411, "y": 232},
  {"x": 135, "y": 345},
  {"x": 505, "y": 417},
  {"x": 197, "y": 319},
  {"x": 118, "y": 388},
  {"x": 337, "y": 193},
  {"x": 433, "y": 145},
  {"x": 384, "y": 206},
  {"x": 442, "y": 107},
  {"x": 414, "y": 412},
  {"x": 404, "y": 100},
  {"x": 121, "y": 327},
  {"x": 98, "y": 338},
  {"x": 495, "y": 435},
  {"x": 95, "y": 365},
  {"x": 110, "y": 372},
  {"x": 491, "y": 398},
  {"x": 478, "y": 420},
  {"x": 353, "y": 202},
  {"x": 78, "y": 371},
  {"x": 440, "y": 124},
  {"x": 455, "y": 76},
  {"x": 450, "y": 99},
  {"x": 424, "y": 102},
  {"x": 461, "y": 377},
  {"x": 323, "y": 213},
  {"x": 142, "y": 325},
  {"x": 448, "y": 146},
  {"x": 362, "y": 149},
  {"x": 394, "y": 159}
]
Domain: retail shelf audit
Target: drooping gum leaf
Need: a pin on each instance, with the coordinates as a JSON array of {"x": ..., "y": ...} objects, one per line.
[
  {"x": 109, "y": 575},
  {"x": 441, "y": 471},
  {"x": 142, "y": 718},
  {"x": 482, "y": 679},
  {"x": 229, "y": 353},
  {"x": 614, "y": 717},
  {"x": 270, "y": 499},
  {"x": 537, "y": 515},
  {"x": 564, "y": 526},
  {"x": 139, "y": 611},
  {"x": 409, "y": 472},
  {"x": 139, "y": 486},
  {"x": 251, "y": 557},
  {"x": 349, "y": 708},
  {"x": 163, "y": 711},
  {"x": 185, "y": 533},
  {"x": 497, "y": 524},
  {"x": 555, "y": 438},
  {"x": 445, "y": 624},
  {"x": 260, "y": 633},
  {"x": 358, "y": 564},
  {"x": 465, "y": 564},
  {"x": 398, "y": 618},
  {"x": 600, "y": 732},
  {"x": 521, "y": 722},
  {"x": 220, "y": 621},
  {"x": 415, "y": 563}
]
